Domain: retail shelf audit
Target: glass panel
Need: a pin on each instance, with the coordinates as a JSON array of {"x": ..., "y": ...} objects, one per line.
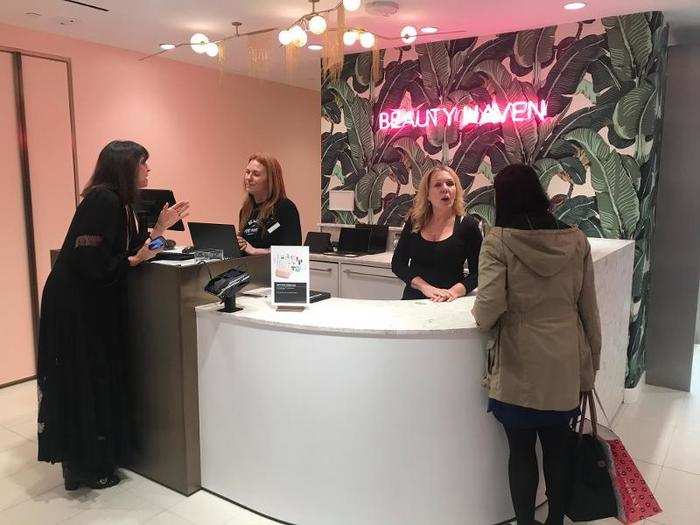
[{"x": 17, "y": 348}]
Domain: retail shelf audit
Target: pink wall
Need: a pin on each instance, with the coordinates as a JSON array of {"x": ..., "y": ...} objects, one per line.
[{"x": 198, "y": 125}]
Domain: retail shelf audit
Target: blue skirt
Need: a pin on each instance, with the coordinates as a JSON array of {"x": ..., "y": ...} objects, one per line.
[{"x": 514, "y": 416}]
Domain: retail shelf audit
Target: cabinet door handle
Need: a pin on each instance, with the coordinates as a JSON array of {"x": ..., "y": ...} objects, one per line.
[
  {"x": 350, "y": 272},
  {"x": 327, "y": 270}
]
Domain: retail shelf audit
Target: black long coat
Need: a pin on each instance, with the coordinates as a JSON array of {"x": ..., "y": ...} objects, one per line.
[{"x": 80, "y": 370}]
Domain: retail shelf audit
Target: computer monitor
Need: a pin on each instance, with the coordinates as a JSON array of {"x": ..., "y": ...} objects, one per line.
[
  {"x": 151, "y": 202},
  {"x": 353, "y": 240},
  {"x": 378, "y": 235},
  {"x": 318, "y": 242},
  {"x": 207, "y": 235}
]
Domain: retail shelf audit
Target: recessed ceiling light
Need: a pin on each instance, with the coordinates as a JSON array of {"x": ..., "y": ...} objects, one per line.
[
  {"x": 573, "y": 6},
  {"x": 428, "y": 30},
  {"x": 167, "y": 46},
  {"x": 315, "y": 47}
]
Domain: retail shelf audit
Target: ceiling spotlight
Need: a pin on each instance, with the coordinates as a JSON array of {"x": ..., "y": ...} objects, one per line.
[
  {"x": 212, "y": 49},
  {"x": 315, "y": 47},
  {"x": 428, "y": 30},
  {"x": 198, "y": 43},
  {"x": 285, "y": 37},
  {"x": 317, "y": 25},
  {"x": 367, "y": 40},
  {"x": 352, "y": 5},
  {"x": 349, "y": 38},
  {"x": 573, "y": 6},
  {"x": 167, "y": 46},
  {"x": 408, "y": 34}
]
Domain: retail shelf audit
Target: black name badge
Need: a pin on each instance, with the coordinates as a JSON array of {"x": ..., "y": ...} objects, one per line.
[{"x": 290, "y": 293}]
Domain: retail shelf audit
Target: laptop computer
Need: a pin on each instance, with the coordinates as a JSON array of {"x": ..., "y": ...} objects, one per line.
[
  {"x": 353, "y": 242},
  {"x": 206, "y": 235},
  {"x": 151, "y": 202},
  {"x": 378, "y": 235},
  {"x": 318, "y": 242}
]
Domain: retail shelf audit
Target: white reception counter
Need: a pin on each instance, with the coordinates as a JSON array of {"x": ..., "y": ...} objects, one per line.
[{"x": 368, "y": 412}]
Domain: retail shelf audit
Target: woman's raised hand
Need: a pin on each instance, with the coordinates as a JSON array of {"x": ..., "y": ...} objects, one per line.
[{"x": 169, "y": 215}]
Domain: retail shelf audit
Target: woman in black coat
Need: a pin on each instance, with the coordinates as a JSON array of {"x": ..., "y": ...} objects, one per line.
[{"x": 80, "y": 371}]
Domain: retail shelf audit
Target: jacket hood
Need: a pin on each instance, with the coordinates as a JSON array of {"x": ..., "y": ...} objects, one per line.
[{"x": 545, "y": 252}]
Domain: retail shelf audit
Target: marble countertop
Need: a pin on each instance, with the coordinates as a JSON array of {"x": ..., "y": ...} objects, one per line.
[
  {"x": 356, "y": 316},
  {"x": 374, "y": 317}
]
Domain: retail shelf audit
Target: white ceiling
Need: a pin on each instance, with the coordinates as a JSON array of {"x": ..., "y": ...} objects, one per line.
[{"x": 140, "y": 25}]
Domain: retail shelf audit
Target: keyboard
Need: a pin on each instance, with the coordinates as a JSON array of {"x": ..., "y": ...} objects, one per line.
[{"x": 173, "y": 256}]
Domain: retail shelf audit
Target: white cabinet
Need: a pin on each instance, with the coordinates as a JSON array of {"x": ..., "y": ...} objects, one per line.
[
  {"x": 351, "y": 279},
  {"x": 324, "y": 277},
  {"x": 369, "y": 282}
]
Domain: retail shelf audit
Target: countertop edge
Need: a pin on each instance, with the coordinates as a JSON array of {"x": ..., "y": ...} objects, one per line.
[{"x": 209, "y": 311}]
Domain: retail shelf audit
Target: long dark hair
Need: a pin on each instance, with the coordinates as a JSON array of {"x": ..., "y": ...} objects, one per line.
[
  {"x": 117, "y": 168},
  {"x": 518, "y": 193}
]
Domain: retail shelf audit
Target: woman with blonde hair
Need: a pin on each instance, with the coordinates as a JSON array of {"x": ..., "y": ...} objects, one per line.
[
  {"x": 437, "y": 239},
  {"x": 267, "y": 217}
]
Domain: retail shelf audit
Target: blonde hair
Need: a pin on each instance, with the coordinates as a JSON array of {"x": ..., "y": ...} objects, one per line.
[
  {"x": 275, "y": 190},
  {"x": 422, "y": 210}
]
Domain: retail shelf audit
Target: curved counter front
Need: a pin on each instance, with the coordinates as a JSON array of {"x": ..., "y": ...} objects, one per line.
[{"x": 350, "y": 412}]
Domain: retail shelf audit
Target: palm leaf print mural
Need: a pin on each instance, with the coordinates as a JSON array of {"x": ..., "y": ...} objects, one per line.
[{"x": 597, "y": 152}]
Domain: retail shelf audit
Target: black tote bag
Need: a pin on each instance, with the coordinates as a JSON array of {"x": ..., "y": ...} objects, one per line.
[{"x": 591, "y": 496}]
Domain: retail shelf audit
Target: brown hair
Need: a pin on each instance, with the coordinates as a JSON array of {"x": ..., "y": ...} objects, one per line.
[
  {"x": 275, "y": 190},
  {"x": 422, "y": 211}
]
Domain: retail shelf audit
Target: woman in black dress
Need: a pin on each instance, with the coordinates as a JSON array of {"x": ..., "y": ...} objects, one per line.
[
  {"x": 436, "y": 241},
  {"x": 80, "y": 371},
  {"x": 267, "y": 217}
]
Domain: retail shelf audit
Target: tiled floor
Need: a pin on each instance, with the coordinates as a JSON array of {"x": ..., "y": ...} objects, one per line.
[{"x": 661, "y": 431}]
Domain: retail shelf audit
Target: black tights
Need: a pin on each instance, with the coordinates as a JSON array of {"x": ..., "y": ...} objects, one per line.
[{"x": 524, "y": 476}]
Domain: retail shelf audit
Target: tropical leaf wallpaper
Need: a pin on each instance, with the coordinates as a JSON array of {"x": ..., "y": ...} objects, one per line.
[{"x": 597, "y": 153}]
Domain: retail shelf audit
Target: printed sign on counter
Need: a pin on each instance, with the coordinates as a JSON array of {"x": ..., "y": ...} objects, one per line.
[{"x": 289, "y": 275}]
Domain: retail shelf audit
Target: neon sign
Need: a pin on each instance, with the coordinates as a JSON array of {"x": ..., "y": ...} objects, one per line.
[{"x": 464, "y": 116}]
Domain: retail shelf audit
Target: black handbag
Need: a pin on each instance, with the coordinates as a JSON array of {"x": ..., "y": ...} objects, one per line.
[{"x": 591, "y": 492}]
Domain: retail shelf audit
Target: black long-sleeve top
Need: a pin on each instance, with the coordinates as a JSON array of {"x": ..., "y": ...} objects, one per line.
[
  {"x": 439, "y": 263},
  {"x": 282, "y": 228}
]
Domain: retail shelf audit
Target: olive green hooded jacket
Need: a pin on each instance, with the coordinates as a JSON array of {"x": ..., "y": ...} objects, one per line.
[{"x": 537, "y": 292}]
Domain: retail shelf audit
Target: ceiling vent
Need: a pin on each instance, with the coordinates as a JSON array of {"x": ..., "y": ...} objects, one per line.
[
  {"x": 382, "y": 8},
  {"x": 65, "y": 21},
  {"x": 85, "y": 4}
]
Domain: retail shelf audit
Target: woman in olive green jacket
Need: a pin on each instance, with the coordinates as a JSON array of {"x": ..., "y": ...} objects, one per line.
[{"x": 536, "y": 292}]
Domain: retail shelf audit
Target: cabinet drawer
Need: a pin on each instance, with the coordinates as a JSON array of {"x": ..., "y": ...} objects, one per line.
[
  {"x": 369, "y": 282},
  {"x": 324, "y": 277}
]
